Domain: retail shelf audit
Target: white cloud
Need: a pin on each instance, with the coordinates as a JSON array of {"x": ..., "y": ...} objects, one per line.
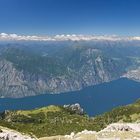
[
  {"x": 73, "y": 37},
  {"x": 3, "y": 34},
  {"x": 136, "y": 38}
]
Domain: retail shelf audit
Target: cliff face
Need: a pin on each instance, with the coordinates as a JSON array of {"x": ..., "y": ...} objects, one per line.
[
  {"x": 27, "y": 71},
  {"x": 11, "y": 80},
  {"x": 133, "y": 74},
  {"x": 20, "y": 83}
]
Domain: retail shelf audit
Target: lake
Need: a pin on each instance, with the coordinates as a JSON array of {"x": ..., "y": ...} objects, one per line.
[{"x": 94, "y": 99}]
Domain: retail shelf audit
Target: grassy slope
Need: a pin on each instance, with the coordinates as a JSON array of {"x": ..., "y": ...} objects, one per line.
[
  {"x": 55, "y": 120},
  {"x": 52, "y": 120}
]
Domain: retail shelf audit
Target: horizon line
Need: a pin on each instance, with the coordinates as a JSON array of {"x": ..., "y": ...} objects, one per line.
[{"x": 64, "y": 37}]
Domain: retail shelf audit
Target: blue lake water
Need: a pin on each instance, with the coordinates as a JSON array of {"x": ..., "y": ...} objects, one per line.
[{"x": 95, "y": 99}]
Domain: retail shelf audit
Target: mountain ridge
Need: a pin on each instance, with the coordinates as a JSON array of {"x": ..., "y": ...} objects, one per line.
[{"x": 33, "y": 69}]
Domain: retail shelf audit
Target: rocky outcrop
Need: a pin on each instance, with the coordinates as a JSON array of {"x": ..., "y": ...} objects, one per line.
[
  {"x": 8, "y": 134},
  {"x": 133, "y": 127},
  {"x": 117, "y": 131},
  {"x": 75, "y": 108},
  {"x": 111, "y": 132},
  {"x": 133, "y": 74}
]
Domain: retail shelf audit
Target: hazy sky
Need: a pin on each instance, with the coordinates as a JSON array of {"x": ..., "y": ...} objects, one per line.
[{"x": 121, "y": 17}]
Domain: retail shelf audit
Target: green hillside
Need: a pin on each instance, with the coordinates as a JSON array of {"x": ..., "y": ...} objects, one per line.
[{"x": 56, "y": 120}]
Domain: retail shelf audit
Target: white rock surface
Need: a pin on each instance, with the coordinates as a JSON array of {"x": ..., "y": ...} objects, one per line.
[
  {"x": 133, "y": 74},
  {"x": 116, "y": 131},
  {"x": 86, "y": 132},
  {"x": 135, "y": 127},
  {"x": 8, "y": 134}
]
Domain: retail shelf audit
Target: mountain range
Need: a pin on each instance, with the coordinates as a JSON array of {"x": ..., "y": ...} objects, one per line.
[{"x": 29, "y": 68}]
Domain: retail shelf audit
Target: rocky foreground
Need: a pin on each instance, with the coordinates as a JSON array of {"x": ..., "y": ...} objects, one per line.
[
  {"x": 116, "y": 131},
  {"x": 8, "y": 134}
]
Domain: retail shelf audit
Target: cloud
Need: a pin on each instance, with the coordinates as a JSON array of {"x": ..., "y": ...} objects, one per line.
[
  {"x": 73, "y": 37},
  {"x": 3, "y": 34}
]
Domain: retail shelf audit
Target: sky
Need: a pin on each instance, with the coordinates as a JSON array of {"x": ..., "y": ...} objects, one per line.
[{"x": 51, "y": 17}]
